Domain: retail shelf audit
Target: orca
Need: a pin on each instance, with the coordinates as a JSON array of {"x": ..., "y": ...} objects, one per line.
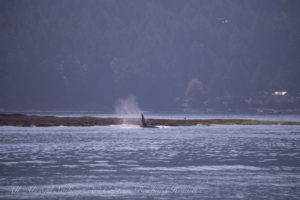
[{"x": 144, "y": 124}]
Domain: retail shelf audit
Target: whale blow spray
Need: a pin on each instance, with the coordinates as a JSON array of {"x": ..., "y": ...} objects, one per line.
[{"x": 128, "y": 107}]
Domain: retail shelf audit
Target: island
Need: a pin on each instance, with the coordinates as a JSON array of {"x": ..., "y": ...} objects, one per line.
[{"x": 45, "y": 121}]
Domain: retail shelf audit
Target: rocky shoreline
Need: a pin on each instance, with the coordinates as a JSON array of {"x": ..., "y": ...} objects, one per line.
[{"x": 45, "y": 121}]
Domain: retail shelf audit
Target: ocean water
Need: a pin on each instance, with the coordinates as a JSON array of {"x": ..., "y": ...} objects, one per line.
[{"x": 129, "y": 162}]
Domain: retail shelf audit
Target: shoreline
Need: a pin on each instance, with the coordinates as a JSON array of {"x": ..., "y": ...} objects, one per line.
[{"x": 21, "y": 120}]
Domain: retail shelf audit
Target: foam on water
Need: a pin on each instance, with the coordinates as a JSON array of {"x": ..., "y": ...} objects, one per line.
[{"x": 126, "y": 126}]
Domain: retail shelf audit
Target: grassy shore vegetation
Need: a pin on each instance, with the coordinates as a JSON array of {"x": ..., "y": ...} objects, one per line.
[{"x": 40, "y": 121}]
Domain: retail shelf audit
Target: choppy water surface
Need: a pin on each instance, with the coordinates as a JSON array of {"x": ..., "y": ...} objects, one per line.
[{"x": 128, "y": 162}]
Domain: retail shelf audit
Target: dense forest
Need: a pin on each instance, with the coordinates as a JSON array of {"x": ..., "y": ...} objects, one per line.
[{"x": 173, "y": 55}]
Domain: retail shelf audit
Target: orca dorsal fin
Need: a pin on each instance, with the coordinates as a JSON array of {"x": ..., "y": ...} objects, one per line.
[{"x": 144, "y": 124}]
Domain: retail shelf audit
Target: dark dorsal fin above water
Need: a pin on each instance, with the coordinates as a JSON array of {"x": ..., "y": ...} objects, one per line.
[{"x": 144, "y": 124}]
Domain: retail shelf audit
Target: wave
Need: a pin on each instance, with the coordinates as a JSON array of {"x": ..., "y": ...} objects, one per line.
[{"x": 200, "y": 168}]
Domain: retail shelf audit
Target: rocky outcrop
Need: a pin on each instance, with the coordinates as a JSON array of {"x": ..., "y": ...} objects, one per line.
[{"x": 32, "y": 120}]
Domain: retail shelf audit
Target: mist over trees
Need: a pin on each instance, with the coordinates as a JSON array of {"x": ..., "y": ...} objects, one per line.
[{"x": 173, "y": 55}]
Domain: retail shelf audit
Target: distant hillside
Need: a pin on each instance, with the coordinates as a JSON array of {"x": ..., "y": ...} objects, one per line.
[{"x": 173, "y": 55}]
